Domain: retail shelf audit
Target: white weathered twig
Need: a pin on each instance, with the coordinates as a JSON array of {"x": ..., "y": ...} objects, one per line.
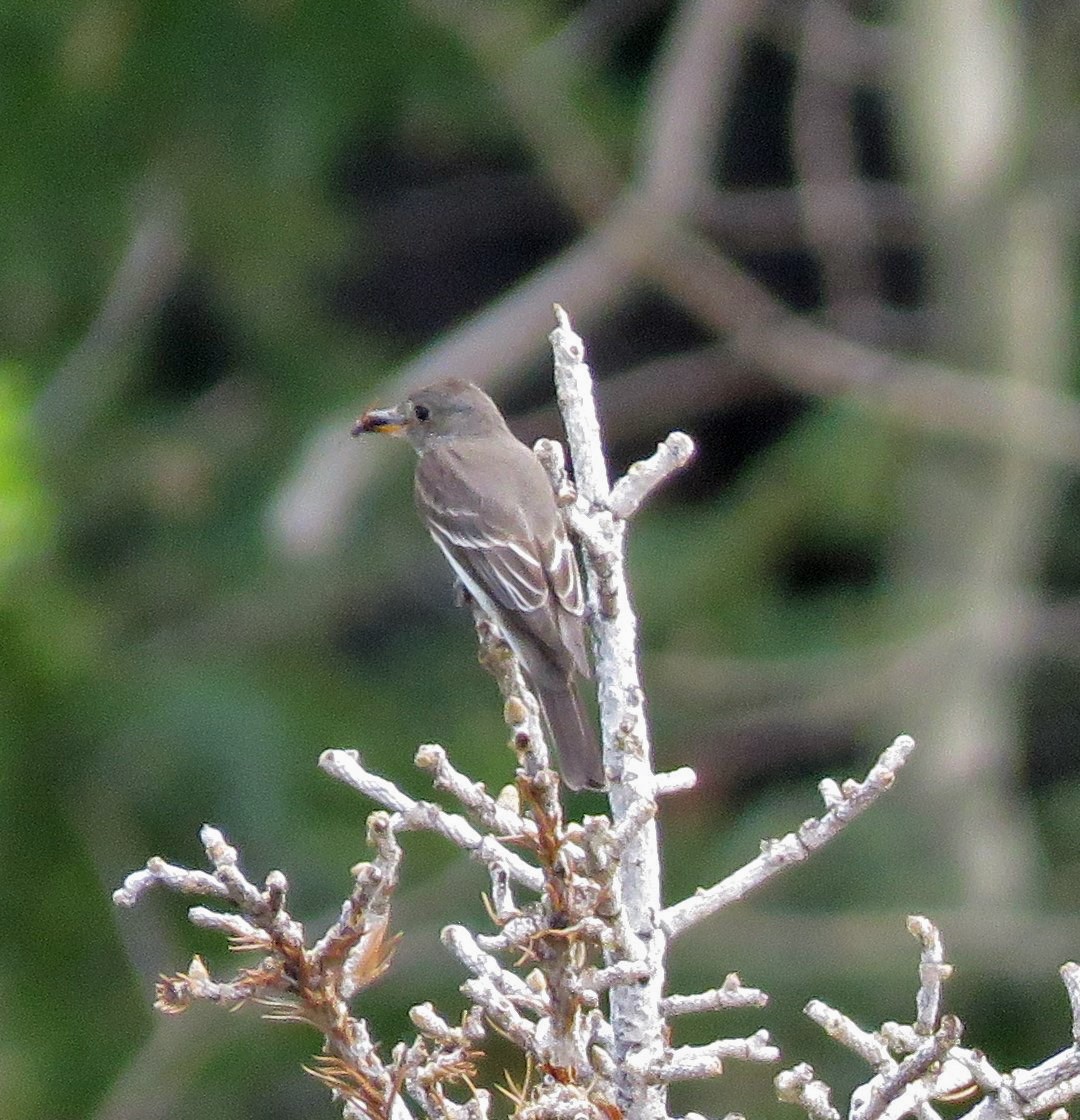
[
  {"x": 932, "y": 972},
  {"x": 481, "y": 964},
  {"x": 642, "y": 478},
  {"x": 1051, "y": 1084},
  {"x": 980, "y": 1070},
  {"x": 907, "y": 1083},
  {"x": 901, "y": 1088},
  {"x": 500, "y": 1009},
  {"x": 635, "y": 1010},
  {"x": 231, "y": 925},
  {"x": 159, "y": 873},
  {"x": 264, "y": 909},
  {"x": 691, "y": 1063},
  {"x": 935, "y": 1066},
  {"x": 839, "y": 1027},
  {"x": 844, "y": 805},
  {"x": 623, "y": 972},
  {"x": 490, "y": 812},
  {"x": 346, "y": 767},
  {"x": 429, "y": 1022},
  {"x": 674, "y": 781},
  {"x": 731, "y": 994},
  {"x": 516, "y": 932},
  {"x": 799, "y": 1086},
  {"x": 1070, "y": 977}
]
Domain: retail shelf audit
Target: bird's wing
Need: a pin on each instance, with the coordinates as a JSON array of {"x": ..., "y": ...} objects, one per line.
[
  {"x": 560, "y": 564},
  {"x": 509, "y": 571},
  {"x": 510, "y": 536}
]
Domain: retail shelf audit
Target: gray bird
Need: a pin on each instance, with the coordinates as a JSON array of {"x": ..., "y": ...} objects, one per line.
[{"x": 488, "y": 505}]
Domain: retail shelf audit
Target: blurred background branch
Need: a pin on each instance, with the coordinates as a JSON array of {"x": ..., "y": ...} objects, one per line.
[{"x": 834, "y": 240}]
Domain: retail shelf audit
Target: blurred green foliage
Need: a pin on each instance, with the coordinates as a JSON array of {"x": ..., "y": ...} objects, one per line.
[
  {"x": 26, "y": 518},
  {"x": 167, "y": 662}
]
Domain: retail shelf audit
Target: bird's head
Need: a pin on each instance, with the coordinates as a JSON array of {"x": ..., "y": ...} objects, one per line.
[{"x": 448, "y": 409}]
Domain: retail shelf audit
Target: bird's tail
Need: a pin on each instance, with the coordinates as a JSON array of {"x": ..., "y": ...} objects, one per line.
[{"x": 581, "y": 761}]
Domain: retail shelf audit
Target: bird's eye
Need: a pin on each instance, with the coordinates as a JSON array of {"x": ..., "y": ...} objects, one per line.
[{"x": 421, "y": 412}]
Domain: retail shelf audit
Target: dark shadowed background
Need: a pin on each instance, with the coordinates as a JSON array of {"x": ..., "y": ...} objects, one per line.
[{"x": 834, "y": 241}]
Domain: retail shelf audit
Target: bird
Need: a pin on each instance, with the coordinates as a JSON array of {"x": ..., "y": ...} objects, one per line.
[{"x": 489, "y": 506}]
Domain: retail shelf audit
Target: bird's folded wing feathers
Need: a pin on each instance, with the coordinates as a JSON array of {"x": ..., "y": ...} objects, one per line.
[
  {"x": 518, "y": 566},
  {"x": 512, "y": 574}
]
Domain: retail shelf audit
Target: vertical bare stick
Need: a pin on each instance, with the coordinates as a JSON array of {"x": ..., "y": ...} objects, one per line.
[
  {"x": 933, "y": 971},
  {"x": 637, "y": 1023}
]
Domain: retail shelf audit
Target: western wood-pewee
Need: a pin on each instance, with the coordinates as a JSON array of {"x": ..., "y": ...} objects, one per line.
[{"x": 489, "y": 506}]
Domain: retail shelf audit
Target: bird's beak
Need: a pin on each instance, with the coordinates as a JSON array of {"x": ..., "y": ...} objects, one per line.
[{"x": 389, "y": 421}]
